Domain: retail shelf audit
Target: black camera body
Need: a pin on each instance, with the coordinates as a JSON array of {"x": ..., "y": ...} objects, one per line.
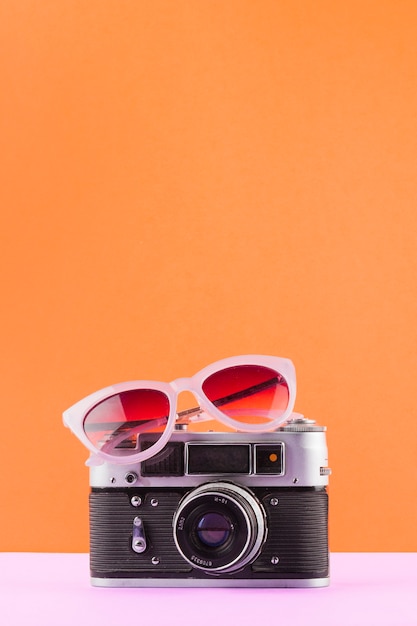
[{"x": 215, "y": 509}]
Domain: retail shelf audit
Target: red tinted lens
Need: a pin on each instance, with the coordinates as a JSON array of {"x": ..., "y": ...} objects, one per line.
[
  {"x": 113, "y": 425},
  {"x": 248, "y": 393}
]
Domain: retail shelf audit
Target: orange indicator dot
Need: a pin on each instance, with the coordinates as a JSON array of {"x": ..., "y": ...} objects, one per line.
[{"x": 273, "y": 457}]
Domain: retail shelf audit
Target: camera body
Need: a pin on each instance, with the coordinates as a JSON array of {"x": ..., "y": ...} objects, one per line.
[{"x": 215, "y": 509}]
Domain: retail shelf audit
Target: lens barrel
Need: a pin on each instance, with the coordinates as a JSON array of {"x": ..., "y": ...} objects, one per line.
[{"x": 219, "y": 527}]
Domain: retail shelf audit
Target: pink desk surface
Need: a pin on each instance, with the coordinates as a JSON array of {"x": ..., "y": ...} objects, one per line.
[{"x": 54, "y": 589}]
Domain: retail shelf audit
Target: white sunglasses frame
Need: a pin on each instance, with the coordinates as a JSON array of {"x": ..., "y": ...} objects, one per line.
[{"x": 74, "y": 416}]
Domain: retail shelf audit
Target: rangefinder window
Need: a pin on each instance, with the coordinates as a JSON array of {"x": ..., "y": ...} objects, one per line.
[
  {"x": 205, "y": 459},
  {"x": 269, "y": 459}
]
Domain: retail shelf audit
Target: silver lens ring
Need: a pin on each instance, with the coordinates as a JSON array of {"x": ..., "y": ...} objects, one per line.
[{"x": 219, "y": 527}]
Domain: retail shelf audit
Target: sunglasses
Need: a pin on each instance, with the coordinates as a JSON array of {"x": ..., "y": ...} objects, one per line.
[{"x": 246, "y": 393}]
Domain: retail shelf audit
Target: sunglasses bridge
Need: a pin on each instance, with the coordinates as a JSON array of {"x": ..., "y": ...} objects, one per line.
[{"x": 183, "y": 417}]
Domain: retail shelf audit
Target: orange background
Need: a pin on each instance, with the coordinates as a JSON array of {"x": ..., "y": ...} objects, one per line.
[{"x": 185, "y": 181}]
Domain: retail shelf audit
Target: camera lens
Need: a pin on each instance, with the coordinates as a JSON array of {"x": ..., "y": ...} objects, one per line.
[
  {"x": 219, "y": 527},
  {"x": 214, "y": 529}
]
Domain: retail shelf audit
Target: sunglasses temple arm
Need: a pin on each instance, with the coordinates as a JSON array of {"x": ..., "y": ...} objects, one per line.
[
  {"x": 196, "y": 411},
  {"x": 94, "y": 460},
  {"x": 142, "y": 428},
  {"x": 196, "y": 414}
]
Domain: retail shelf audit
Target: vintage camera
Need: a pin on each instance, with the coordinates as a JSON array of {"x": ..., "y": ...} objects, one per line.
[{"x": 215, "y": 509}]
